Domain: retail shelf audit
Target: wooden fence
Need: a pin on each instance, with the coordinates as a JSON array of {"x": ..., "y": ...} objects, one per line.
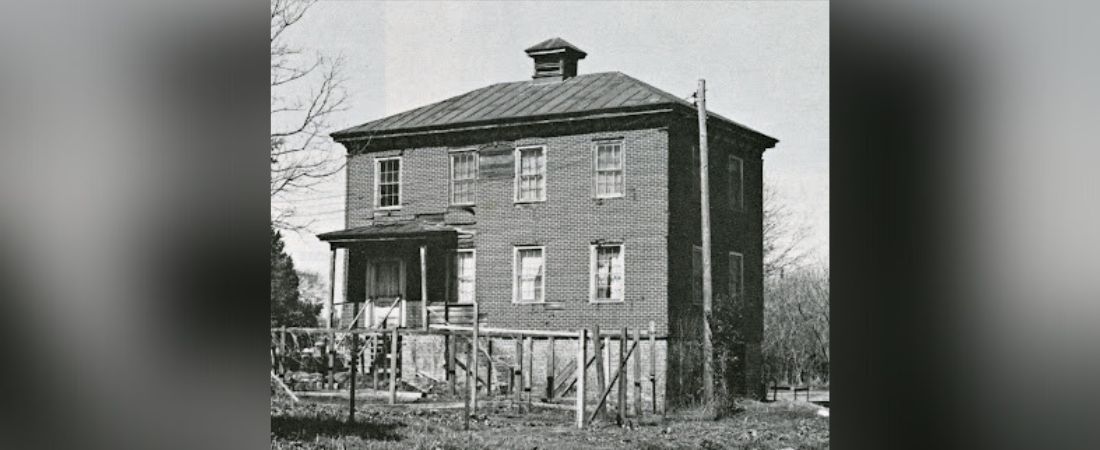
[{"x": 589, "y": 402}]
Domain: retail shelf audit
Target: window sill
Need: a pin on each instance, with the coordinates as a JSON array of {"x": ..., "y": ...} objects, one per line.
[
  {"x": 609, "y": 197},
  {"x": 607, "y": 302},
  {"x": 387, "y": 208}
]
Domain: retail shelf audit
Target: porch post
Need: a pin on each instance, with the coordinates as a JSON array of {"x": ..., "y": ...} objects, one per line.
[
  {"x": 331, "y": 291},
  {"x": 330, "y": 343},
  {"x": 424, "y": 286}
]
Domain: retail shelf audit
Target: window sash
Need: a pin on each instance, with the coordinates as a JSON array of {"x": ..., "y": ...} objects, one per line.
[
  {"x": 531, "y": 174},
  {"x": 736, "y": 183},
  {"x": 529, "y": 275},
  {"x": 464, "y": 173},
  {"x": 466, "y": 274},
  {"x": 737, "y": 275},
  {"x": 609, "y": 169},
  {"x": 608, "y": 273},
  {"x": 388, "y": 175}
]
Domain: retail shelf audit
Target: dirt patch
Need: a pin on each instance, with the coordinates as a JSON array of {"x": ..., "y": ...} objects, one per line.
[{"x": 313, "y": 424}]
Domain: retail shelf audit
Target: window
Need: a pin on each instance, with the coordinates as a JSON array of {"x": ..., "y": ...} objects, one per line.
[
  {"x": 737, "y": 272},
  {"x": 531, "y": 174},
  {"x": 387, "y": 182},
  {"x": 466, "y": 272},
  {"x": 607, "y": 273},
  {"x": 736, "y": 184},
  {"x": 609, "y": 169},
  {"x": 463, "y": 178},
  {"x": 529, "y": 275},
  {"x": 697, "y": 274}
]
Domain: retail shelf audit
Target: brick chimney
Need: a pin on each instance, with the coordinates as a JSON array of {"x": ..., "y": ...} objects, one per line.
[{"x": 555, "y": 60}]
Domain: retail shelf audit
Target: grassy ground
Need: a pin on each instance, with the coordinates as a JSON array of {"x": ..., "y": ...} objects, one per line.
[{"x": 311, "y": 424}]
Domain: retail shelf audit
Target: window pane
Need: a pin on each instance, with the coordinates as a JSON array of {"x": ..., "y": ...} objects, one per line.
[
  {"x": 532, "y": 179},
  {"x": 609, "y": 172},
  {"x": 389, "y": 182},
  {"x": 609, "y": 273},
  {"x": 736, "y": 182},
  {"x": 608, "y": 156},
  {"x": 529, "y": 275},
  {"x": 736, "y": 284},
  {"x": 465, "y": 271},
  {"x": 463, "y": 177}
]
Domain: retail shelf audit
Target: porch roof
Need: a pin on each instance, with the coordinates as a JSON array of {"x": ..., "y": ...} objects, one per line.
[{"x": 385, "y": 231}]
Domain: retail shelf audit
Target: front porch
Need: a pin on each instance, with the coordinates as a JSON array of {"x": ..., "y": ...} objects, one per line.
[{"x": 396, "y": 274}]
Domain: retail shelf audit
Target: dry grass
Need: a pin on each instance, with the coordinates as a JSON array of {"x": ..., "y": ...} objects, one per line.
[{"x": 314, "y": 425}]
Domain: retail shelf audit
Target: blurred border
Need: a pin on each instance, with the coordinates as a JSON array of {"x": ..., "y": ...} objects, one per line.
[{"x": 134, "y": 224}]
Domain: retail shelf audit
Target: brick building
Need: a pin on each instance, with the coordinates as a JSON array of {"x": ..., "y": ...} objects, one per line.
[{"x": 564, "y": 201}]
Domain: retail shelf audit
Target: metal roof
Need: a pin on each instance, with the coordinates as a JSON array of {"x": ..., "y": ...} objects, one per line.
[
  {"x": 588, "y": 93},
  {"x": 389, "y": 230},
  {"x": 555, "y": 44}
]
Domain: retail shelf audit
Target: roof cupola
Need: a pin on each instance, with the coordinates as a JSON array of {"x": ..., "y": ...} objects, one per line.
[{"x": 555, "y": 59}]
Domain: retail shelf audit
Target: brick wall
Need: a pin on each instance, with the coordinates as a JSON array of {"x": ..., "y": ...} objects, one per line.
[
  {"x": 731, "y": 231},
  {"x": 657, "y": 220},
  {"x": 566, "y": 224}
]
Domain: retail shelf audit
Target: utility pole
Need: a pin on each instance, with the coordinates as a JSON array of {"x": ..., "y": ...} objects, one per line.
[{"x": 704, "y": 206}]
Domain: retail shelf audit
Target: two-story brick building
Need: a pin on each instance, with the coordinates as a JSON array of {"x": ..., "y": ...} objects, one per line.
[{"x": 555, "y": 203}]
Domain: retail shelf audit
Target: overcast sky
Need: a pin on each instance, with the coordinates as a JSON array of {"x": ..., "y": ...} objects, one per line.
[{"x": 766, "y": 65}]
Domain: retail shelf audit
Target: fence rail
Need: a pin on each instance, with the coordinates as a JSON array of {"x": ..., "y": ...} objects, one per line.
[{"x": 519, "y": 372}]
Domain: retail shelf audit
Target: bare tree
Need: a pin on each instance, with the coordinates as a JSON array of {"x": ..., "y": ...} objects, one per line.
[
  {"x": 785, "y": 235},
  {"x": 796, "y": 298},
  {"x": 796, "y": 326},
  {"x": 306, "y": 90}
]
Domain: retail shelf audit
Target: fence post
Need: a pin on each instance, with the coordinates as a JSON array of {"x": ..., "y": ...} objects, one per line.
[
  {"x": 597, "y": 348},
  {"x": 393, "y": 366},
  {"x": 529, "y": 372},
  {"x": 517, "y": 371},
  {"x": 621, "y": 401},
  {"x": 351, "y": 376},
  {"x": 653, "y": 363},
  {"x": 374, "y": 359},
  {"x": 581, "y": 358},
  {"x": 638, "y": 373},
  {"x": 472, "y": 365},
  {"x": 330, "y": 364},
  {"x": 452, "y": 346},
  {"x": 550, "y": 369},
  {"x": 471, "y": 384}
]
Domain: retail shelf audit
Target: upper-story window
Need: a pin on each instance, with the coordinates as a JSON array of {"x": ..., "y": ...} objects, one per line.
[
  {"x": 736, "y": 183},
  {"x": 464, "y": 178},
  {"x": 387, "y": 183},
  {"x": 607, "y": 273},
  {"x": 609, "y": 169},
  {"x": 531, "y": 174}
]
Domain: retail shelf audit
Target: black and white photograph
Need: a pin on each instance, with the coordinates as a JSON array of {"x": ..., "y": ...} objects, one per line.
[
  {"x": 738, "y": 224},
  {"x": 549, "y": 225}
]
